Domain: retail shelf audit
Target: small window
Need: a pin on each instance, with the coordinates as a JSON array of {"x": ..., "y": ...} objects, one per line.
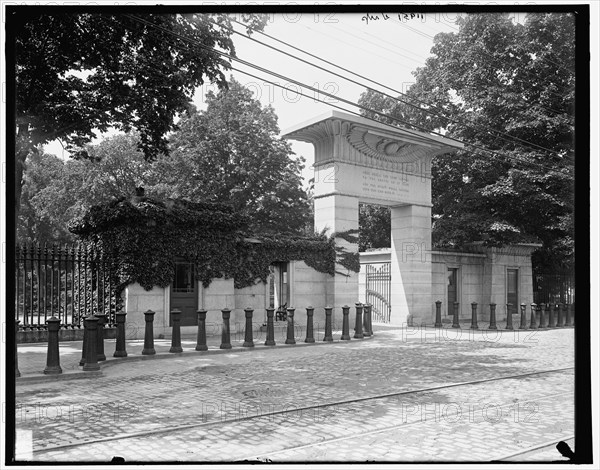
[
  {"x": 512, "y": 289},
  {"x": 452, "y": 289},
  {"x": 184, "y": 277}
]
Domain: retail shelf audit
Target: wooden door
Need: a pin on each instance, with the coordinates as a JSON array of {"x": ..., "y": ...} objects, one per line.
[
  {"x": 512, "y": 290},
  {"x": 184, "y": 293},
  {"x": 452, "y": 289}
]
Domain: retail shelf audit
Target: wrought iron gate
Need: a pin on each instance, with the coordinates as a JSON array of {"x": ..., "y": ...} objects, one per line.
[{"x": 379, "y": 290}]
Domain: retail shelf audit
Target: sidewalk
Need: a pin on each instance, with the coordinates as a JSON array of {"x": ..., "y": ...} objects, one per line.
[{"x": 32, "y": 356}]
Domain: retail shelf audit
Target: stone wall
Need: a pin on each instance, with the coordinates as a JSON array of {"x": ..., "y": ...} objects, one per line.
[
  {"x": 309, "y": 288},
  {"x": 470, "y": 281},
  {"x": 481, "y": 273},
  {"x": 137, "y": 300}
]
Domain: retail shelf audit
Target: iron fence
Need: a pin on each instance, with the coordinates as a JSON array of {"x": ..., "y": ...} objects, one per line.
[
  {"x": 67, "y": 282},
  {"x": 554, "y": 288}
]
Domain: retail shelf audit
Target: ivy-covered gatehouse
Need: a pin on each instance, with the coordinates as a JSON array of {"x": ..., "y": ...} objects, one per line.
[{"x": 188, "y": 255}]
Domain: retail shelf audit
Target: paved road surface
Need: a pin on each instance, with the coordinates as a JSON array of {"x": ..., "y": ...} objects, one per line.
[{"x": 403, "y": 395}]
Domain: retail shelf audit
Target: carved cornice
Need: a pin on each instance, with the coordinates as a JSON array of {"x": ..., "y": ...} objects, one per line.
[
  {"x": 343, "y": 137},
  {"x": 389, "y": 149}
]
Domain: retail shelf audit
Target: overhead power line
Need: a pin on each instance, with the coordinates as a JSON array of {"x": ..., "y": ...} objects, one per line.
[
  {"x": 507, "y": 137},
  {"x": 291, "y": 80}
]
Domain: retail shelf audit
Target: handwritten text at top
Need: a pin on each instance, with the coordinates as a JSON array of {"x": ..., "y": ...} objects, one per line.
[{"x": 384, "y": 17}]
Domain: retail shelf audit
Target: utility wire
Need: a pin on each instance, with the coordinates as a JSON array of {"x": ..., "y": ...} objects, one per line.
[
  {"x": 529, "y": 74},
  {"x": 508, "y": 138},
  {"x": 268, "y": 72},
  {"x": 387, "y": 59},
  {"x": 390, "y": 117}
]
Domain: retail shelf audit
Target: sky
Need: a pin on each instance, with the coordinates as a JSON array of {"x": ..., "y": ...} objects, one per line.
[{"x": 379, "y": 46}]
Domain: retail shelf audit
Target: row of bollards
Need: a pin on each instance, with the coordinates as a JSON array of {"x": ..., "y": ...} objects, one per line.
[
  {"x": 564, "y": 311},
  {"x": 363, "y": 327},
  {"x": 93, "y": 339},
  {"x": 93, "y": 343},
  {"x": 248, "y": 338}
]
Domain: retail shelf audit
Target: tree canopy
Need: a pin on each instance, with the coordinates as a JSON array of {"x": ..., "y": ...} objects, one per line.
[
  {"x": 81, "y": 73},
  {"x": 507, "y": 90},
  {"x": 229, "y": 153}
]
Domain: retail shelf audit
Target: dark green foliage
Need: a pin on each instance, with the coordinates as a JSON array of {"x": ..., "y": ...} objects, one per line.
[
  {"x": 80, "y": 73},
  {"x": 375, "y": 227},
  {"x": 154, "y": 213},
  {"x": 496, "y": 76},
  {"x": 232, "y": 152},
  {"x": 146, "y": 236}
]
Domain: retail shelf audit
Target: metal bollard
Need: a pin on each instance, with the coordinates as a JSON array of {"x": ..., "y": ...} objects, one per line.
[
  {"x": 438, "y": 314},
  {"x": 568, "y": 319},
  {"x": 509, "y": 323},
  {"x": 492, "y": 317},
  {"x": 84, "y": 344},
  {"x": 474, "y": 325},
  {"x": 201, "y": 338},
  {"x": 17, "y": 371},
  {"x": 120, "y": 346},
  {"x": 345, "y": 323},
  {"x": 225, "y": 329},
  {"x": 523, "y": 325},
  {"x": 551, "y": 323},
  {"x": 100, "y": 336},
  {"x": 542, "y": 308},
  {"x": 310, "y": 337},
  {"x": 91, "y": 358},
  {"x": 358, "y": 332},
  {"x": 53, "y": 358},
  {"x": 176, "y": 334},
  {"x": 367, "y": 321},
  {"x": 328, "y": 333},
  {"x": 290, "y": 326},
  {"x": 455, "y": 322},
  {"x": 533, "y": 322},
  {"x": 559, "y": 322},
  {"x": 248, "y": 338},
  {"x": 270, "y": 328},
  {"x": 149, "y": 333}
]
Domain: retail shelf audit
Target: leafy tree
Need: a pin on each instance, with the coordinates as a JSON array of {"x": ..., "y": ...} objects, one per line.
[
  {"x": 374, "y": 227},
  {"x": 43, "y": 215},
  {"x": 231, "y": 153},
  {"x": 56, "y": 191},
  {"x": 80, "y": 73},
  {"x": 509, "y": 88}
]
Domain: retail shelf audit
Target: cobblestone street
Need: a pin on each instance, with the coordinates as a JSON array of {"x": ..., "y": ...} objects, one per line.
[{"x": 403, "y": 395}]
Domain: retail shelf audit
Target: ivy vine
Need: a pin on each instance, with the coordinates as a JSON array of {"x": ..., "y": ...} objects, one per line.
[{"x": 146, "y": 236}]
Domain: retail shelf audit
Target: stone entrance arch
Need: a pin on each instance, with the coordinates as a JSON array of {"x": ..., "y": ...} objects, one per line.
[{"x": 360, "y": 160}]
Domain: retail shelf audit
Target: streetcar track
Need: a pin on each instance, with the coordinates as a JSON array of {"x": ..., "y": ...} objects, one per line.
[
  {"x": 296, "y": 410},
  {"x": 547, "y": 444},
  {"x": 262, "y": 456}
]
